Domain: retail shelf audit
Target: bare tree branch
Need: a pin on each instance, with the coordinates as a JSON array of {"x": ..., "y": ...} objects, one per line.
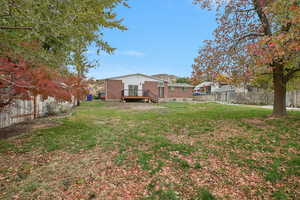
[
  {"x": 263, "y": 17},
  {"x": 20, "y": 86},
  {"x": 250, "y": 35},
  {"x": 248, "y": 10}
]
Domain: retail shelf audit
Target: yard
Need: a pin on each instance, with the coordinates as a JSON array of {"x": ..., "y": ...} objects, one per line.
[{"x": 155, "y": 151}]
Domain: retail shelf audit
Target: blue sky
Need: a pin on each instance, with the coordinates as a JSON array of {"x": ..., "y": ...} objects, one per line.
[{"x": 163, "y": 37}]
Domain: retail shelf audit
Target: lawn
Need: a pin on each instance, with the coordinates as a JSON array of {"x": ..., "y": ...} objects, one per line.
[{"x": 165, "y": 151}]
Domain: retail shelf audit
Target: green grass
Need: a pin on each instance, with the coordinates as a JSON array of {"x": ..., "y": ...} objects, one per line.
[
  {"x": 204, "y": 194},
  {"x": 181, "y": 137}
]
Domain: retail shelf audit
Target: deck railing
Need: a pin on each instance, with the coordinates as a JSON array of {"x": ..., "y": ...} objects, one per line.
[
  {"x": 135, "y": 93},
  {"x": 140, "y": 93}
]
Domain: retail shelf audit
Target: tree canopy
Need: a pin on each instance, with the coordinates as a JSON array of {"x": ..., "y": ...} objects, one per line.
[
  {"x": 49, "y": 30},
  {"x": 39, "y": 39},
  {"x": 183, "y": 80},
  {"x": 254, "y": 37}
]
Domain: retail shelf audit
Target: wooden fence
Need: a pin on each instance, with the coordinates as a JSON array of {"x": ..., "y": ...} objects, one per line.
[{"x": 24, "y": 110}]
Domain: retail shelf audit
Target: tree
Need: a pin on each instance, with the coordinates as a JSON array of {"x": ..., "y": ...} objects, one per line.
[
  {"x": 39, "y": 39},
  {"x": 183, "y": 80},
  {"x": 46, "y": 82},
  {"x": 14, "y": 82},
  {"x": 262, "y": 35},
  {"x": 214, "y": 64},
  {"x": 54, "y": 27},
  {"x": 77, "y": 87},
  {"x": 20, "y": 80},
  {"x": 81, "y": 65}
]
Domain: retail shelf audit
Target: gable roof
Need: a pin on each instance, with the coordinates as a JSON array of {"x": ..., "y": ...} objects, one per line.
[{"x": 138, "y": 74}]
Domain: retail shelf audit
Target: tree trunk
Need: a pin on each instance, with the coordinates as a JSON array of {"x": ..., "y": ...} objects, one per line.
[
  {"x": 77, "y": 93},
  {"x": 279, "y": 108},
  {"x": 34, "y": 106}
]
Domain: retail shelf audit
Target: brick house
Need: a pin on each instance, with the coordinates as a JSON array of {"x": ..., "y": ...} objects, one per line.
[{"x": 144, "y": 87}]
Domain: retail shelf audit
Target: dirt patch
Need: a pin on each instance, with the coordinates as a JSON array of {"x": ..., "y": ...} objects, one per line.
[
  {"x": 133, "y": 106},
  {"x": 112, "y": 121},
  {"x": 226, "y": 130},
  {"x": 258, "y": 123},
  {"x": 147, "y": 107},
  {"x": 24, "y": 127},
  {"x": 181, "y": 139},
  {"x": 221, "y": 131}
]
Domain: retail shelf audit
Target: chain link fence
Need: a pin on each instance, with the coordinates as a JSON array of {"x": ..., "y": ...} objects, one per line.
[{"x": 251, "y": 98}]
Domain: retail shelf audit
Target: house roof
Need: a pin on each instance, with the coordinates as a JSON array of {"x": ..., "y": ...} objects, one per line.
[
  {"x": 166, "y": 77},
  {"x": 204, "y": 84},
  {"x": 138, "y": 74},
  {"x": 180, "y": 85}
]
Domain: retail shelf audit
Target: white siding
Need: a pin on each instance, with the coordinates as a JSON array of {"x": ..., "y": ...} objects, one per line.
[{"x": 135, "y": 80}]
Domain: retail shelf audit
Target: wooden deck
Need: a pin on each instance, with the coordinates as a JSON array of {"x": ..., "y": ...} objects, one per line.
[{"x": 136, "y": 97}]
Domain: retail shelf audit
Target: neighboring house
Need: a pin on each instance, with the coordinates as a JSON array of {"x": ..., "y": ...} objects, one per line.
[
  {"x": 206, "y": 88},
  {"x": 96, "y": 87},
  {"x": 180, "y": 90},
  {"x": 166, "y": 77},
  {"x": 144, "y": 87}
]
